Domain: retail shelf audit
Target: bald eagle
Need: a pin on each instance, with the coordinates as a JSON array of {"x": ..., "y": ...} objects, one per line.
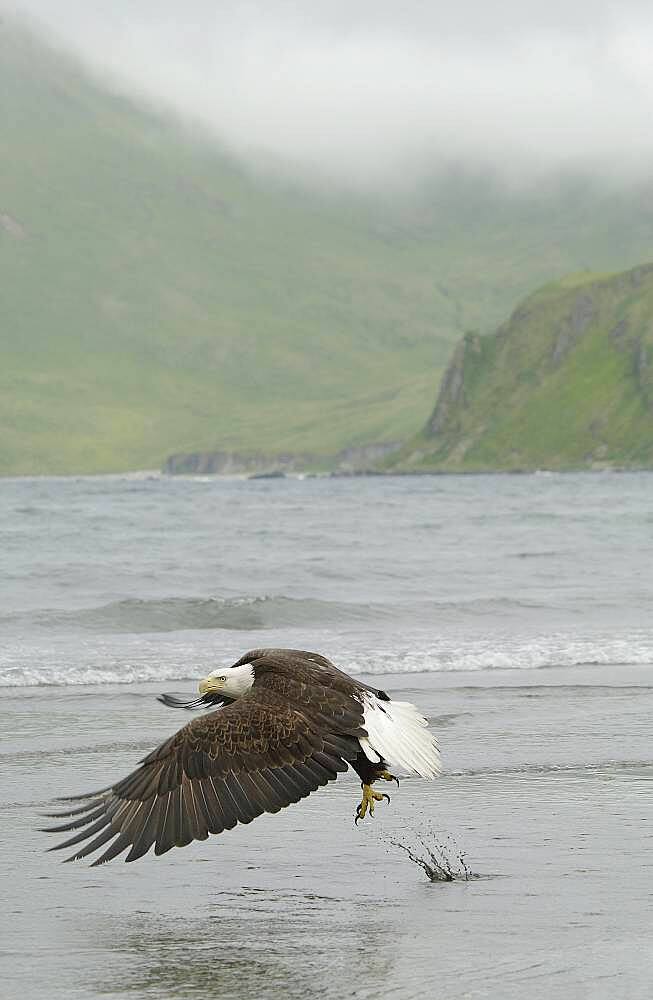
[{"x": 285, "y": 721}]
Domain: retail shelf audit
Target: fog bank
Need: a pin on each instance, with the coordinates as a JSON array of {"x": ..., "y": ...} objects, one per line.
[{"x": 381, "y": 94}]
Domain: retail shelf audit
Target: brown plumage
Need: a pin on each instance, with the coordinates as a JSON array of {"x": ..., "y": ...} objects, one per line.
[{"x": 295, "y": 729}]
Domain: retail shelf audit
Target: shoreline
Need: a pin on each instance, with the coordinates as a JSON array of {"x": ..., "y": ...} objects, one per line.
[
  {"x": 583, "y": 674},
  {"x": 155, "y": 474}
]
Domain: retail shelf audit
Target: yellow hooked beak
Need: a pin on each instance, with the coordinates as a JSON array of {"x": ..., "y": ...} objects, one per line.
[{"x": 210, "y": 685}]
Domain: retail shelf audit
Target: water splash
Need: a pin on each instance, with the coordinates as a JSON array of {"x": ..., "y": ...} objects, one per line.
[{"x": 440, "y": 862}]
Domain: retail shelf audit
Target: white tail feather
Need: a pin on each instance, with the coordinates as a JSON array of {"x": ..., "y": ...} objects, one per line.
[{"x": 398, "y": 733}]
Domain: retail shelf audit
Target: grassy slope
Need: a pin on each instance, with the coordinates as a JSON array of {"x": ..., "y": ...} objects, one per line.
[
  {"x": 553, "y": 390},
  {"x": 160, "y": 300}
]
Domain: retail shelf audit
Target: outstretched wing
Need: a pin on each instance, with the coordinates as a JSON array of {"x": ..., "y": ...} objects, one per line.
[{"x": 256, "y": 755}]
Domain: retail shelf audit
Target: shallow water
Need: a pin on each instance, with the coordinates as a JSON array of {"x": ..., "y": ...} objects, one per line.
[
  {"x": 547, "y": 790},
  {"x": 514, "y": 610}
]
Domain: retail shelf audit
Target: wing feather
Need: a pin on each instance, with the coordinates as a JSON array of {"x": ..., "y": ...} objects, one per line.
[
  {"x": 165, "y": 839},
  {"x": 226, "y": 802},
  {"x": 273, "y": 779},
  {"x": 210, "y": 815},
  {"x": 145, "y": 838},
  {"x": 294, "y": 731},
  {"x": 219, "y": 818},
  {"x": 196, "y": 823},
  {"x": 94, "y": 845},
  {"x": 91, "y": 804},
  {"x": 183, "y": 835}
]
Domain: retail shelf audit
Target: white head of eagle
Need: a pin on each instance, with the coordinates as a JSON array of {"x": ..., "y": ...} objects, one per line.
[{"x": 233, "y": 682}]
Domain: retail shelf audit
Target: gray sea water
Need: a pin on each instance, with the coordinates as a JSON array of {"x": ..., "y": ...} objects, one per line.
[
  {"x": 142, "y": 578},
  {"x": 516, "y": 611}
]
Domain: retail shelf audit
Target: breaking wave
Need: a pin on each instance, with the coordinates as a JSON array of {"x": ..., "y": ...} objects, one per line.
[{"x": 69, "y": 660}]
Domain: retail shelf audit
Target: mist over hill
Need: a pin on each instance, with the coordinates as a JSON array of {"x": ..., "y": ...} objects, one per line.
[
  {"x": 376, "y": 95},
  {"x": 159, "y": 298}
]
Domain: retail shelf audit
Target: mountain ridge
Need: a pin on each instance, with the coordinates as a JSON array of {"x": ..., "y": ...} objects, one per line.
[{"x": 157, "y": 299}]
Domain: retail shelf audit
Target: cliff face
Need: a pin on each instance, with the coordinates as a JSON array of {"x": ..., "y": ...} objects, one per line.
[
  {"x": 451, "y": 397},
  {"x": 566, "y": 382}
]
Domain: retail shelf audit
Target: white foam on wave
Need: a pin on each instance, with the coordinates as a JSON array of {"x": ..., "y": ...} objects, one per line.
[
  {"x": 132, "y": 659},
  {"x": 509, "y": 653}
]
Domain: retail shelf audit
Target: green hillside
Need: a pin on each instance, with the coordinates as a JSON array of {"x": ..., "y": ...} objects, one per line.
[
  {"x": 566, "y": 383},
  {"x": 156, "y": 298}
]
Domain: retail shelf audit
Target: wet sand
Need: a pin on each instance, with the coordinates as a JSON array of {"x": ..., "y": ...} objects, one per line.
[{"x": 547, "y": 791}]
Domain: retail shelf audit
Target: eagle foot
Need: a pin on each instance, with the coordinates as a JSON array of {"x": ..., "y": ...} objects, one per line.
[
  {"x": 367, "y": 802},
  {"x": 388, "y": 777}
]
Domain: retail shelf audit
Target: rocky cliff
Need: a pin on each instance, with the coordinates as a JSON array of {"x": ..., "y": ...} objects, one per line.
[
  {"x": 353, "y": 459},
  {"x": 566, "y": 382}
]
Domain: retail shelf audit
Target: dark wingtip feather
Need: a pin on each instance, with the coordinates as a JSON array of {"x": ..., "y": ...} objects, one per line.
[
  {"x": 77, "y": 822},
  {"x": 84, "y": 795},
  {"x": 194, "y": 702},
  {"x": 173, "y": 701},
  {"x": 90, "y": 805}
]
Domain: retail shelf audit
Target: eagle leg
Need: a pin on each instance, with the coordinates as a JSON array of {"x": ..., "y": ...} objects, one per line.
[
  {"x": 370, "y": 772},
  {"x": 367, "y": 802}
]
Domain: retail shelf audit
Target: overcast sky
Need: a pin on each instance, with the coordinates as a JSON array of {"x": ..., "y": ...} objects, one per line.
[{"x": 376, "y": 92}]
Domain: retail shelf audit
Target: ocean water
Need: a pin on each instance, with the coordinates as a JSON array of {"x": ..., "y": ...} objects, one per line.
[
  {"x": 515, "y": 611},
  {"x": 145, "y": 577}
]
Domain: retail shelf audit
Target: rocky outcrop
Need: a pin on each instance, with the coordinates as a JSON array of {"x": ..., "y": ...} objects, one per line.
[
  {"x": 452, "y": 387},
  {"x": 225, "y": 463},
  {"x": 364, "y": 456},
  {"x": 573, "y": 326},
  {"x": 643, "y": 363}
]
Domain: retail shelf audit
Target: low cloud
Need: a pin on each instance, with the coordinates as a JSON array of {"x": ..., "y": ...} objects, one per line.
[{"x": 382, "y": 94}]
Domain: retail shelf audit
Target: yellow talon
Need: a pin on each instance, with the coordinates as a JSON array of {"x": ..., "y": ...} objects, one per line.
[
  {"x": 388, "y": 777},
  {"x": 367, "y": 802}
]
